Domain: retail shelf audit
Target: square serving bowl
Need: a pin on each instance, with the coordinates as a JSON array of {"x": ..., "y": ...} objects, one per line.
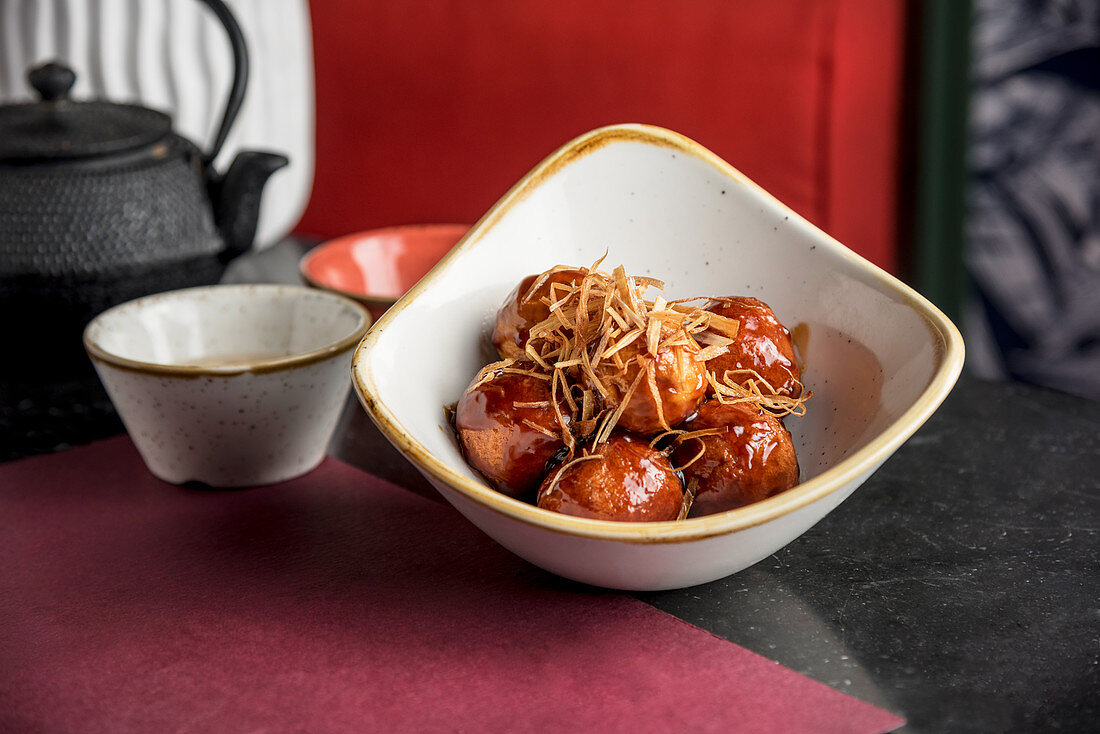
[{"x": 879, "y": 357}]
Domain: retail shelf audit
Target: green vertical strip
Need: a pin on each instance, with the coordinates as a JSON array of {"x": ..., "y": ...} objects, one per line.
[{"x": 944, "y": 94}]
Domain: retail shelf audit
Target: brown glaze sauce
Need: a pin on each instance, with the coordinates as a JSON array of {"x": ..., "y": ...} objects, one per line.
[
  {"x": 752, "y": 460},
  {"x": 498, "y": 438},
  {"x": 629, "y": 482},
  {"x": 763, "y": 344}
]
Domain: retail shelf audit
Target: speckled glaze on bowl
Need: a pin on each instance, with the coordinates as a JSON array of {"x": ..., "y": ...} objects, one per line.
[
  {"x": 880, "y": 358},
  {"x": 229, "y": 385}
]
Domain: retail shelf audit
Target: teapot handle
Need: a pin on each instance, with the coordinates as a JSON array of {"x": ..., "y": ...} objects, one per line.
[{"x": 240, "y": 76}]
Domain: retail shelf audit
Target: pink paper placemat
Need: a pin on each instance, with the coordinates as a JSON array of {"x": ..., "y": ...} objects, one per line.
[{"x": 336, "y": 602}]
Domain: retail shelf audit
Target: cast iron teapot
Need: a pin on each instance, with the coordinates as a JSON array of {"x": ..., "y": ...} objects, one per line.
[{"x": 101, "y": 203}]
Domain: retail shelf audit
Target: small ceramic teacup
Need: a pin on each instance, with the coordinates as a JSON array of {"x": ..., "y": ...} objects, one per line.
[
  {"x": 379, "y": 266},
  {"x": 229, "y": 385}
]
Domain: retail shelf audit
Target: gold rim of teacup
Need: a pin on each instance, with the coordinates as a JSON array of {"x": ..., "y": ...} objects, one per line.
[{"x": 254, "y": 366}]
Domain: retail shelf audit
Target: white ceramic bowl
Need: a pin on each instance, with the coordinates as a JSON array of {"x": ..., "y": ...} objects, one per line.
[
  {"x": 229, "y": 385},
  {"x": 880, "y": 358}
]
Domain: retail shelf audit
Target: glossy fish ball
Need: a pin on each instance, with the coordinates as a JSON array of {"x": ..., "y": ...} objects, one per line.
[
  {"x": 751, "y": 459},
  {"x": 523, "y": 309},
  {"x": 763, "y": 344},
  {"x": 627, "y": 480},
  {"x": 508, "y": 430},
  {"x": 680, "y": 379}
]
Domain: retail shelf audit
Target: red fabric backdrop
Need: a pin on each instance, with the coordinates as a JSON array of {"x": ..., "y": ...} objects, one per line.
[{"x": 428, "y": 110}]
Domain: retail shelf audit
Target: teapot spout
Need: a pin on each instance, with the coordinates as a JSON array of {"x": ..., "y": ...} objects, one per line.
[{"x": 236, "y": 198}]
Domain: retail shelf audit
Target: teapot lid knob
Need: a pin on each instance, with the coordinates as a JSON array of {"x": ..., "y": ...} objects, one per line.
[
  {"x": 60, "y": 129},
  {"x": 52, "y": 81}
]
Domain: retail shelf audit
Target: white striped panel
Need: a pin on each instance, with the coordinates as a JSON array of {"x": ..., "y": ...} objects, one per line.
[{"x": 172, "y": 55}]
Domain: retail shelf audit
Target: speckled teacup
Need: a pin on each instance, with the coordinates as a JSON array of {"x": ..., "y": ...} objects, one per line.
[{"x": 229, "y": 385}]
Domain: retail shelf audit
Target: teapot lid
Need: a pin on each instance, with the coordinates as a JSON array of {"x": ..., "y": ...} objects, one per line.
[{"x": 57, "y": 128}]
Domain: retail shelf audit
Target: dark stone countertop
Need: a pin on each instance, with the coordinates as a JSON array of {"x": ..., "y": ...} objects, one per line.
[{"x": 959, "y": 586}]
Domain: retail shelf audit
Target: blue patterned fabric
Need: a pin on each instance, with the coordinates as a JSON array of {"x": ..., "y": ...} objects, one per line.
[{"x": 1033, "y": 226}]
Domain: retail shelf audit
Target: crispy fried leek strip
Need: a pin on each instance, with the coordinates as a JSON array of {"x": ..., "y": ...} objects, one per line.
[
  {"x": 653, "y": 336},
  {"x": 539, "y": 429},
  {"x": 491, "y": 370},
  {"x": 690, "y": 491},
  {"x": 750, "y": 387},
  {"x": 563, "y": 425},
  {"x": 662, "y": 436},
  {"x": 723, "y": 325},
  {"x": 685, "y": 436},
  {"x": 572, "y": 462},
  {"x": 588, "y": 405},
  {"x": 613, "y": 418}
]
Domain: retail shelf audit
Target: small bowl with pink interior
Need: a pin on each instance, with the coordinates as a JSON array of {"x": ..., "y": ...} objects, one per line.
[
  {"x": 378, "y": 266},
  {"x": 229, "y": 385}
]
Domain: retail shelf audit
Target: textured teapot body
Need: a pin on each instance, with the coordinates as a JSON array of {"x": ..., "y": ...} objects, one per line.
[
  {"x": 104, "y": 218},
  {"x": 76, "y": 239}
]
